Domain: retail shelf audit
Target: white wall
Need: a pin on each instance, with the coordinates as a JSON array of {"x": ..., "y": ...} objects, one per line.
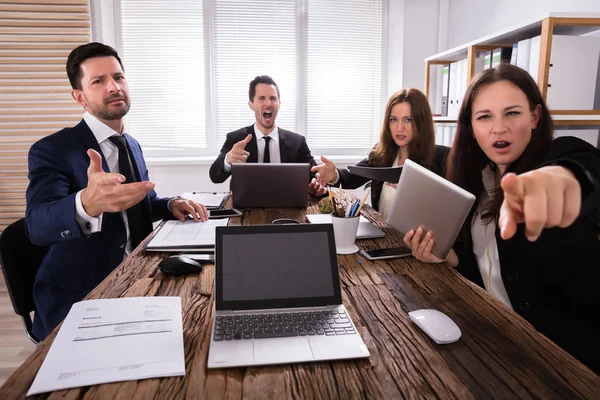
[{"x": 470, "y": 19}]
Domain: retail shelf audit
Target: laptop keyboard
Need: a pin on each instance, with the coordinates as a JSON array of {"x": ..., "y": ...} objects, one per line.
[{"x": 260, "y": 326}]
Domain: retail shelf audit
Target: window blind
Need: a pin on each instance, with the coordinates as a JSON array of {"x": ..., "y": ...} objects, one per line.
[
  {"x": 254, "y": 38},
  {"x": 344, "y": 75},
  {"x": 36, "y": 36},
  {"x": 162, "y": 49}
]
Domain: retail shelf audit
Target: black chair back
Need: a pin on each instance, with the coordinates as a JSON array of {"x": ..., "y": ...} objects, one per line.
[{"x": 20, "y": 260}]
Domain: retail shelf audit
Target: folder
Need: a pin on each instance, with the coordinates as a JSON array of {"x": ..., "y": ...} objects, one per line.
[
  {"x": 445, "y": 87},
  {"x": 523, "y": 54},
  {"x": 384, "y": 174},
  {"x": 175, "y": 236},
  {"x": 573, "y": 73}
]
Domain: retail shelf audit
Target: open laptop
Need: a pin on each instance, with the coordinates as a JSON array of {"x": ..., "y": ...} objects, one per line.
[
  {"x": 424, "y": 198},
  {"x": 278, "y": 298},
  {"x": 270, "y": 185}
]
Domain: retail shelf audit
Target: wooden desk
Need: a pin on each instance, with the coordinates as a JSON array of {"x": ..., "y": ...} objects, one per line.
[{"x": 498, "y": 356}]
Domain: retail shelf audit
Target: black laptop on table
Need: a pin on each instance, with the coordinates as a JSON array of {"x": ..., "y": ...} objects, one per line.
[{"x": 255, "y": 185}]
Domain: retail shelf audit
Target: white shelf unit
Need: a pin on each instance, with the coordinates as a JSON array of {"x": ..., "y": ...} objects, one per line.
[{"x": 546, "y": 26}]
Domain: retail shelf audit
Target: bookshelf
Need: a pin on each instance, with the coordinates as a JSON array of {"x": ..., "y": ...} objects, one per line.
[{"x": 544, "y": 27}]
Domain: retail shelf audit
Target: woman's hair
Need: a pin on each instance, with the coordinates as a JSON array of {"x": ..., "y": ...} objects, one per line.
[
  {"x": 421, "y": 148},
  {"x": 466, "y": 159}
]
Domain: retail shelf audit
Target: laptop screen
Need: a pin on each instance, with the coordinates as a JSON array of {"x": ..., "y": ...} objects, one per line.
[{"x": 275, "y": 266}]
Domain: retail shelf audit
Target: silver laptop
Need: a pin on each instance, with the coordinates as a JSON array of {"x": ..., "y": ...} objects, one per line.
[
  {"x": 270, "y": 185},
  {"x": 424, "y": 198},
  {"x": 278, "y": 298}
]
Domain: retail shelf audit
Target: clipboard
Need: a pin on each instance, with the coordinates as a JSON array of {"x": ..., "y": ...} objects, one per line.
[{"x": 384, "y": 174}]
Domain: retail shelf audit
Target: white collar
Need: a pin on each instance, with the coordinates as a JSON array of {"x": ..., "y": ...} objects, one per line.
[
  {"x": 100, "y": 130},
  {"x": 273, "y": 135}
]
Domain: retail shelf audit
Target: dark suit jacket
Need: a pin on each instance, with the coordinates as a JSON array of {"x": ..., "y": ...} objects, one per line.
[
  {"x": 553, "y": 282},
  {"x": 351, "y": 181},
  {"x": 292, "y": 148},
  {"x": 75, "y": 263}
]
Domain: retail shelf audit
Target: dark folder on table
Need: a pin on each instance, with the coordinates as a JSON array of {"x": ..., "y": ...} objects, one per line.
[{"x": 386, "y": 174}]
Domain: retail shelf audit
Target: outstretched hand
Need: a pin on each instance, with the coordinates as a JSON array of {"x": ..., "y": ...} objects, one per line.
[
  {"x": 106, "y": 192},
  {"x": 543, "y": 198},
  {"x": 237, "y": 153},
  {"x": 326, "y": 173}
]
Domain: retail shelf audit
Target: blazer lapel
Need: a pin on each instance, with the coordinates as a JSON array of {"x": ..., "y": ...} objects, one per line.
[
  {"x": 89, "y": 141},
  {"x": 252, "y": 147},
  {"x": 284, "y": 152}
]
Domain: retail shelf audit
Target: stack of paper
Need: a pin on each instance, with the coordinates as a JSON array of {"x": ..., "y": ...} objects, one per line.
[
  {"x": 184, "y": 236},
  {"x": 113, "y": 340}
]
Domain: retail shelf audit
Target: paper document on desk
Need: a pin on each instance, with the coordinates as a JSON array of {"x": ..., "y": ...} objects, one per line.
[
  {"x": 366, "y": 229},
  {"x": 112, "y": 340},
  {"x": 211, "y": 200},
  {"x": 384, "y": 174},
  {"x": 175, "y": 235}
]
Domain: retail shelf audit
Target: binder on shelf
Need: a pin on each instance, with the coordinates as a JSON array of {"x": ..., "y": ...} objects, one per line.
[
  {"x": 534, "y": 57},
  {"x": 501, "y": 54},
  {"x": 573, "y": 73},
  {"x": 524, "y": 51},
  {"x": 487, "y": 60},
  {"x": 445, "y": 87},
  {"x": 454, "y": 87},
  {"x": 513, "y": 56}
]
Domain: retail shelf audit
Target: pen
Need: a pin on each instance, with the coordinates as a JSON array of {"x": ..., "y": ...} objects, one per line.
[{"x": 363, "y": 201}]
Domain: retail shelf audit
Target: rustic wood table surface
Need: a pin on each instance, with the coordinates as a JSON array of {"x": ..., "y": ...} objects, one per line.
[{"x": 499, "y": 355}]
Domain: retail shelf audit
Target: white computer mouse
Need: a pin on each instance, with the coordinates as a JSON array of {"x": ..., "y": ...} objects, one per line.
[{"x": 437, "y": 325}]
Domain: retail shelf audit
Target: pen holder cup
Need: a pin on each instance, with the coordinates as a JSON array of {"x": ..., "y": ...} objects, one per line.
[{"x": 344, "y": 231}]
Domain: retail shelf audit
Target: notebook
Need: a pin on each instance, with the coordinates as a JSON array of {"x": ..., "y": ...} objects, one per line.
[
  {"x": 174, "y": 236},
  {"x": 278, "y": 298},
  {"x": 366, "y": 229},
  {"x": 424, "y": 198},
  {"x": 270, "y": 185}
]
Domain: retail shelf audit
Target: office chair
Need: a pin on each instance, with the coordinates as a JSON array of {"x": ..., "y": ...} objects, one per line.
[{"x": 20, "y": 260}]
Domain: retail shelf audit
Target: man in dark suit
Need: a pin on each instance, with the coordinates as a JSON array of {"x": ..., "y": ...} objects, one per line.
[
  {"x": 89, "y": 198},
  {"x": 263, "y": 142}
]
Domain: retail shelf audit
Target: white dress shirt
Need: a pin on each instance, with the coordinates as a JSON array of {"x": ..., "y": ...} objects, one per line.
[
  {"x": 110, "y": 152},
  {"x": 485, "y": 246},
  {"x": 274, "y": 153}
]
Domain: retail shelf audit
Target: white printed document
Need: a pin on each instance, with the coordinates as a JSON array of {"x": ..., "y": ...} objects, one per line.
[
  {"x": 112, "y": 340},
  {"x": 175, "y": 235}
]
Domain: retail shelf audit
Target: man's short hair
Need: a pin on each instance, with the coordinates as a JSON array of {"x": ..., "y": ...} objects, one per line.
[
  {"x": 84, "y": 52},
  {"x": 261, "y": 79}
]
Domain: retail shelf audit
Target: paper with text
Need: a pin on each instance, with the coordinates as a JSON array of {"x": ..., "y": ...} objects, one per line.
[
  {"x": 112, "y": 340},
  {"x": 187, "y": 234}
]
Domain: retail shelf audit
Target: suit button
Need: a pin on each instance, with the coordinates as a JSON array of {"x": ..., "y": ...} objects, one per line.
[
  {"x": 65, "y": 234},
  {"x": 122, "y": 246},
  {"x": 524, "y": 306},
  {"x": 513, "y": 277}
]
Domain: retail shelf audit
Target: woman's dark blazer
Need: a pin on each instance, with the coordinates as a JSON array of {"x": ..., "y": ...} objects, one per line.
[
  {"x": 554, "y": 282},
  {"x": 351, "y": 181}
]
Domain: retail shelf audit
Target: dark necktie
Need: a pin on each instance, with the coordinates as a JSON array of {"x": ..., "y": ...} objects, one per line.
[
  {"x": 267, "y": 157},
  {"x": 138, "y": 226}
]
